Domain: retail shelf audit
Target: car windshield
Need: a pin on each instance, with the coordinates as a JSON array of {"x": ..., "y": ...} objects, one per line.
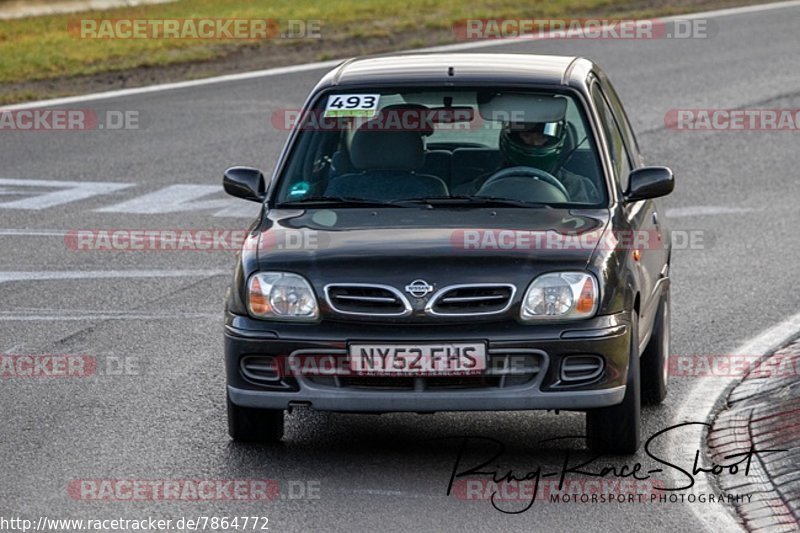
[{"x": 443, "y": 147}]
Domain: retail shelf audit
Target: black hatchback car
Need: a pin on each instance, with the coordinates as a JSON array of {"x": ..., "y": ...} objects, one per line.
[{"x": 453, "y": 232}]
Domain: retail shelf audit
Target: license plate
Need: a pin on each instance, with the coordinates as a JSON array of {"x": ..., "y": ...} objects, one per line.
[{"x": 418, "y": 359}]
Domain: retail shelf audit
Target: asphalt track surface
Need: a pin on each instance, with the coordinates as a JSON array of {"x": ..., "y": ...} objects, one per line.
[{"x": 165, "y": 419}]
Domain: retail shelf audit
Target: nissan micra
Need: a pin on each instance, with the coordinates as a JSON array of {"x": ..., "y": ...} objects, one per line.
[{"x": 453, "y": 232}]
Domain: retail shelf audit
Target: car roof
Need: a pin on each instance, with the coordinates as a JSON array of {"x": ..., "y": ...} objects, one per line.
[{"x": 459, "y": 69}]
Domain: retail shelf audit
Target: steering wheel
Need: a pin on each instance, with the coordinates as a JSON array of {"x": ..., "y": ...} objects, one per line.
[{"x": 532, "y": 172}]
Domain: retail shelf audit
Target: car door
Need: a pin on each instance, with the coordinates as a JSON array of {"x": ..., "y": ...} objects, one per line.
[{"x": 643, "y": 216}]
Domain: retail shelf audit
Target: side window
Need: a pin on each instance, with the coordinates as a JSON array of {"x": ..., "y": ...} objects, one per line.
[
  {"x": 622, "y": 121},
  {"x": 619, "y": 156}
]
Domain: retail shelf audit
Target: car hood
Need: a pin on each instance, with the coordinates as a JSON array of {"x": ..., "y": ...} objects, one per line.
[{"x": 441, "y": 245}]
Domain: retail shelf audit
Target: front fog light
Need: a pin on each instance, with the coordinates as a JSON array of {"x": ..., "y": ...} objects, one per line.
[
  {"x": 281, "y": 295},
  {"x": 559, "y": 296}
]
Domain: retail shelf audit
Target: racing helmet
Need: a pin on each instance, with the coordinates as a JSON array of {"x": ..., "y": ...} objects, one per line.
[{"x": 532, "y": 144}]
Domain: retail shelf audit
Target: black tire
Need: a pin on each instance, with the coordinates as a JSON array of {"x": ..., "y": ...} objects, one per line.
[
  {"x": 617, "y": 429},
  {"x": 247, "y": 424},
  {"x": 655, "y": 359}
]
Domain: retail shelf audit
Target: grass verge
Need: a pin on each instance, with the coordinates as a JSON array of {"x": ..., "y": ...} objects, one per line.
[{"x": 41, "y": 56}]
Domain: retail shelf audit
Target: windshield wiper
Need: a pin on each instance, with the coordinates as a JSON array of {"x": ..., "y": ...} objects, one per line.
[
  {"x": 478, "y": 201},
  {"x": 443, "y": 201},
  {"x": 341, "y": 201}
]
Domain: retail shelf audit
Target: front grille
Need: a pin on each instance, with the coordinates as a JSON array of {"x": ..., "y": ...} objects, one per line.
[
  {"x": 364, "y": 299},
  {"x": 424, "y": 383},
  {"x": 507, "y": 368},
  {"x": 477, "y": 299}
]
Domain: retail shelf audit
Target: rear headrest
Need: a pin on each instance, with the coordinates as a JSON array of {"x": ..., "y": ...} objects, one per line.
[{"x": 373, "y": 149}]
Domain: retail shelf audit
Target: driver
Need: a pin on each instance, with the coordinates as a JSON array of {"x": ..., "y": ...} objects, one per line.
[{"x": 541, "y": 145}]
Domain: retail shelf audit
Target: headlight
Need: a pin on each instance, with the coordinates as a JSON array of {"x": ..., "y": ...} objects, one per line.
[
  {"x": 281, "y": 296},
  {"x": 560, "y": 296}
]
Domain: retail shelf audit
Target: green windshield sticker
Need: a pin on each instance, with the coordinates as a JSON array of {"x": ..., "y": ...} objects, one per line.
[
  {"x": 299, "y": 189},
  {"x": 352, "y": 105}
]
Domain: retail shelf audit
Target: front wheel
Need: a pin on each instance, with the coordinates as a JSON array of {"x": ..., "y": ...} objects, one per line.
[
  {"x": 247, "y": 424},
  {"x": 655, "y": 359},
  {"x": 617, "y": 429}
]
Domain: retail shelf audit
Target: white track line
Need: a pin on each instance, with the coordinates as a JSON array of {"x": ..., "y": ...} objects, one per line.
[
  {"x": 293, "y": 69},
  {"x": 704, "y": 400},
  {"x": 76, "y": 316},
  {"x": 39, "y": 9},
  {"x": 6, "y": 277},
  {"x": 12, "y": 232},
  {"x": 706, "y": 210}
]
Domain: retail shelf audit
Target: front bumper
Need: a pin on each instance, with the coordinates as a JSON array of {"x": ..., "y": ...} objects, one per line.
[{"x": 547, "y": 345}]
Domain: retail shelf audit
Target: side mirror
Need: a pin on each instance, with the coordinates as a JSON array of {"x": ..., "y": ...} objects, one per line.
[
  {"x": 649, "y": 182},
  {"x": 244, "y": 182}
]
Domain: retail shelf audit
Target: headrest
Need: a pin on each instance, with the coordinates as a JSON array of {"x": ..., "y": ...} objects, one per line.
[
  {"x": 374, "y": 149},
  {"x": 408, "y": 114}
]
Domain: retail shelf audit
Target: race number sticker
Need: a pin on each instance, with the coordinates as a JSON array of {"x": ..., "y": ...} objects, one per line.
[{"x": 352, "y": 105}]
